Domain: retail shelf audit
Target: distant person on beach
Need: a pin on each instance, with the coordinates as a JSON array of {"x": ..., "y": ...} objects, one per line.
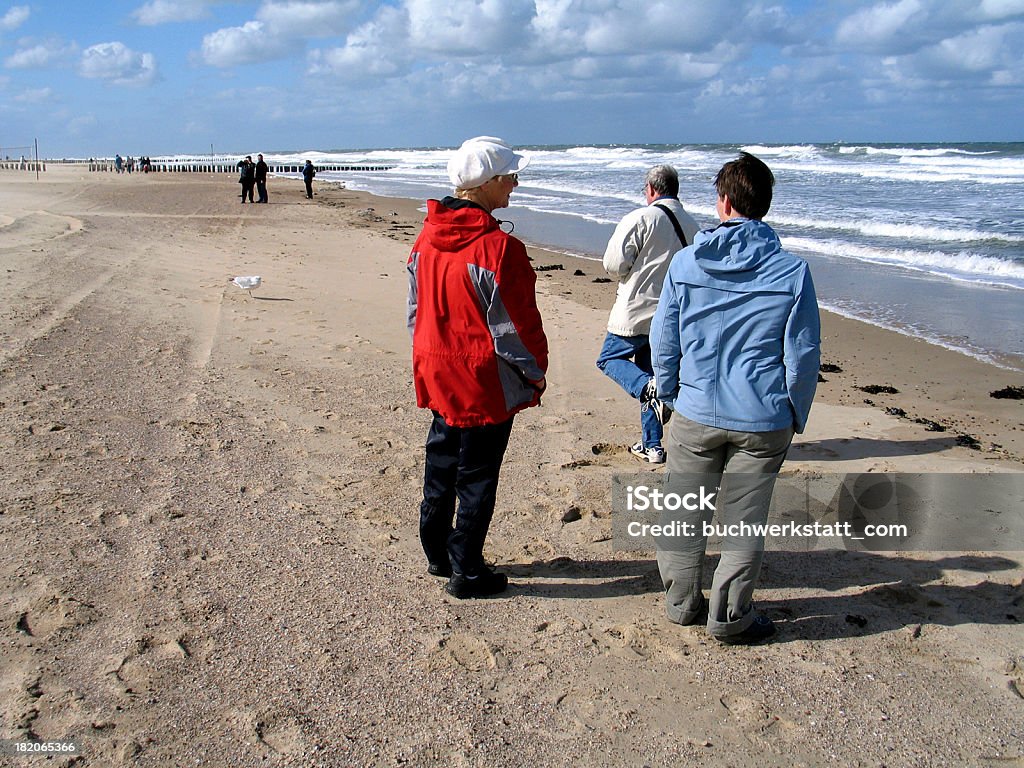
[
  {"x": 638, "y": 255},
  {"x": 247, "y": 177},
  {"x": 479, "y": 356},
  {"x": 736, "y": 346},
  {"x": 261, "y": 170},
  {"x": 308, "y": 172},
  {"x": 118, "y": 163}
]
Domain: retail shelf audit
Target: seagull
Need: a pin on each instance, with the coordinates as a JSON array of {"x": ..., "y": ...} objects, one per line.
[{"x": 248, "y": 283}]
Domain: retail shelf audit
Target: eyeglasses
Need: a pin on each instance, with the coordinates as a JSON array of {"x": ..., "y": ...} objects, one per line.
[{"x": 513, "y": 177}]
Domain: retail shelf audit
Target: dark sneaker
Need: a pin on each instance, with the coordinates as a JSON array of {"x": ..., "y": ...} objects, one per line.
[
  {"x": 761, "y": 629},
  {"x": 649, "y": 400},
  {"x": 440, "y": 569},
  {"x": 487, "y": 583}
]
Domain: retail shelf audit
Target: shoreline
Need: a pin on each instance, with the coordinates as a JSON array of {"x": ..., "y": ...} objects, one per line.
[
  {"x": 545, "y": 224},
  {"x": 1014, "y": 366}
]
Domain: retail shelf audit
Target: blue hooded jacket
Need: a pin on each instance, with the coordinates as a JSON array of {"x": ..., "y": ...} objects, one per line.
[{"x": 736, "y": 338}]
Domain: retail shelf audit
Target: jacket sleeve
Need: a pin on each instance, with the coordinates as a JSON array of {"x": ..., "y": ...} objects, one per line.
[
  {"x": 666, "y": 347},
  {"x": 412, "y": 298},
  {"x": 625, "y": 245},
  {"x": 513, "y": 316},
  {"x": 801, "y": 351}
]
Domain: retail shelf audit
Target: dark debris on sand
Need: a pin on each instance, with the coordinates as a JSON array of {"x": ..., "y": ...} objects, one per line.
[
  {"x": 967, "y": 441},
  {"x": 1008, "y": 393},
  {"x": 879, "y": 389}
]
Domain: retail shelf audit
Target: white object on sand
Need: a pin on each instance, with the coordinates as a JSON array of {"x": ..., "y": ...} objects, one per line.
[{"x": 248, "y": 283}]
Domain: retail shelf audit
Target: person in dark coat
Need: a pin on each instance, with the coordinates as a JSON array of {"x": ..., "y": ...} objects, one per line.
[
  {"x": 247, "y": 177},
  {"x": 308, "y": 172},
  {"x": 261, "y": 179}
]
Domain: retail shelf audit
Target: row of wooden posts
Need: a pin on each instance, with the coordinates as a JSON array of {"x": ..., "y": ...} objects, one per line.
[
  {"x": 22, "y": 165},
  {"x": 184, "y": 167},
  {"x": 228, "y": 167}
]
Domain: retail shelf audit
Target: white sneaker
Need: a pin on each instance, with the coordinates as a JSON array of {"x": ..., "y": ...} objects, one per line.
[{"x": 655, "y": 455}]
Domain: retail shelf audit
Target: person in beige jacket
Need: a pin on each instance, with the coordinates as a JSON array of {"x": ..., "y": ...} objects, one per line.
[{"x": 638, "y": 255}]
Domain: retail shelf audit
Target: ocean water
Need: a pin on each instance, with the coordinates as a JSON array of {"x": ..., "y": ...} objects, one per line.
[{"x": 927, "y": 240}]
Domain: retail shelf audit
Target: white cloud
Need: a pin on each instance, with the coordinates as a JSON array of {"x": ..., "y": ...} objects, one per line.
[
  {"x": 923, "y": 45},
  {"x": 369, "y": 51},
  {"x": 989, "y": 55},
  {"x": 14, "y": 18},
  {"x": 905, "y": 26},
  {"x": 231, "y": 46},
  {"x": 34, "y": 96},
  {"x": 1002, "y": 9},
  {"x": 562, "y": 29},
  {"x": 471, "y": 27},
  {"x": 41, "y": 55},
  {"x": 979, "y": 50},
  {"x": 298, "y": 19},
  {"x": 169, "y": 11},
  {"x": 607, "y": 38},
  {"x": 279, "y": 29},
  {"x": 881, "y": 25},
  {"x": 118, "y": 64}
]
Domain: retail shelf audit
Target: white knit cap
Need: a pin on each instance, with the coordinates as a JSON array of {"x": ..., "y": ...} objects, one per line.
[{"x": 481, "y": 159}]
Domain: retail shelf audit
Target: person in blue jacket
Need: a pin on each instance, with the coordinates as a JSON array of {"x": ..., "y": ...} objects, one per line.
[{"x": 736, "y": 349}]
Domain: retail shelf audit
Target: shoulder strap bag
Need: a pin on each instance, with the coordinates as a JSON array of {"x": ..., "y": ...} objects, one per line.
[{"x": 675, "y": 223}]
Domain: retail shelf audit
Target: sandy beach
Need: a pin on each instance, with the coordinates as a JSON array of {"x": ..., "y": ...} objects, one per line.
[{"x": 208, "y": 508}]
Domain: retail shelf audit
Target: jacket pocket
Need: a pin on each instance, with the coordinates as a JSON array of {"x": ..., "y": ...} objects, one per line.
[{"x": 516, "y": 387}]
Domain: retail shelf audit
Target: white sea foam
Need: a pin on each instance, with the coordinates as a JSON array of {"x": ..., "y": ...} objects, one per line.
[
  {"x": 796, "y": 150},
  {"x": 909, "y": 151},
  {"x": 963, "y": 265},
  {"x": 1004, "y": 171},
  {"x": 924, "y": 232}
]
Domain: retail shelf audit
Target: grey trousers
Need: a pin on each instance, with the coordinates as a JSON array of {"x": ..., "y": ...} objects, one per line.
[{"x": 753, "y": 459}]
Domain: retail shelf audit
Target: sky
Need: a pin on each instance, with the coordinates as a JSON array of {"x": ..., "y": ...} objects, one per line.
[{"x": 182, "y": 76}]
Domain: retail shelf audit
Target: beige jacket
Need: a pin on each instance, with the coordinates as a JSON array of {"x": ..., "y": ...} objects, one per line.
[{"x": 638, "y": 254}]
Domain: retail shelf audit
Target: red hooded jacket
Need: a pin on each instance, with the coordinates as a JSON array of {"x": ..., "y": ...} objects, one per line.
[{"x": 478, "y": 345}]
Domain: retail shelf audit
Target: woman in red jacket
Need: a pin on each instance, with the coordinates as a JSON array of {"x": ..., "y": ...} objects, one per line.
[{"x": 479, "y": 357}]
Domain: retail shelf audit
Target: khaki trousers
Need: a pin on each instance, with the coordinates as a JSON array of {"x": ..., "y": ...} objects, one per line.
[{"x": 747, "y": 464}]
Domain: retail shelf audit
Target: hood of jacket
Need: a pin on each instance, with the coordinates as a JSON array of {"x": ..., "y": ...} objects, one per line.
[
  {"x": 741, "y": 255},
  {"x": 452, "y": 224}
]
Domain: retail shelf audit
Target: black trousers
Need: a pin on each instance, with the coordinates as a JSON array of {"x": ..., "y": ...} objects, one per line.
[
  {"x": 309, "y": 188},
  {"x": 247, "y": 191},
  {"x": 261, "y": 190},
  {"x": 462, "y": 463}
]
